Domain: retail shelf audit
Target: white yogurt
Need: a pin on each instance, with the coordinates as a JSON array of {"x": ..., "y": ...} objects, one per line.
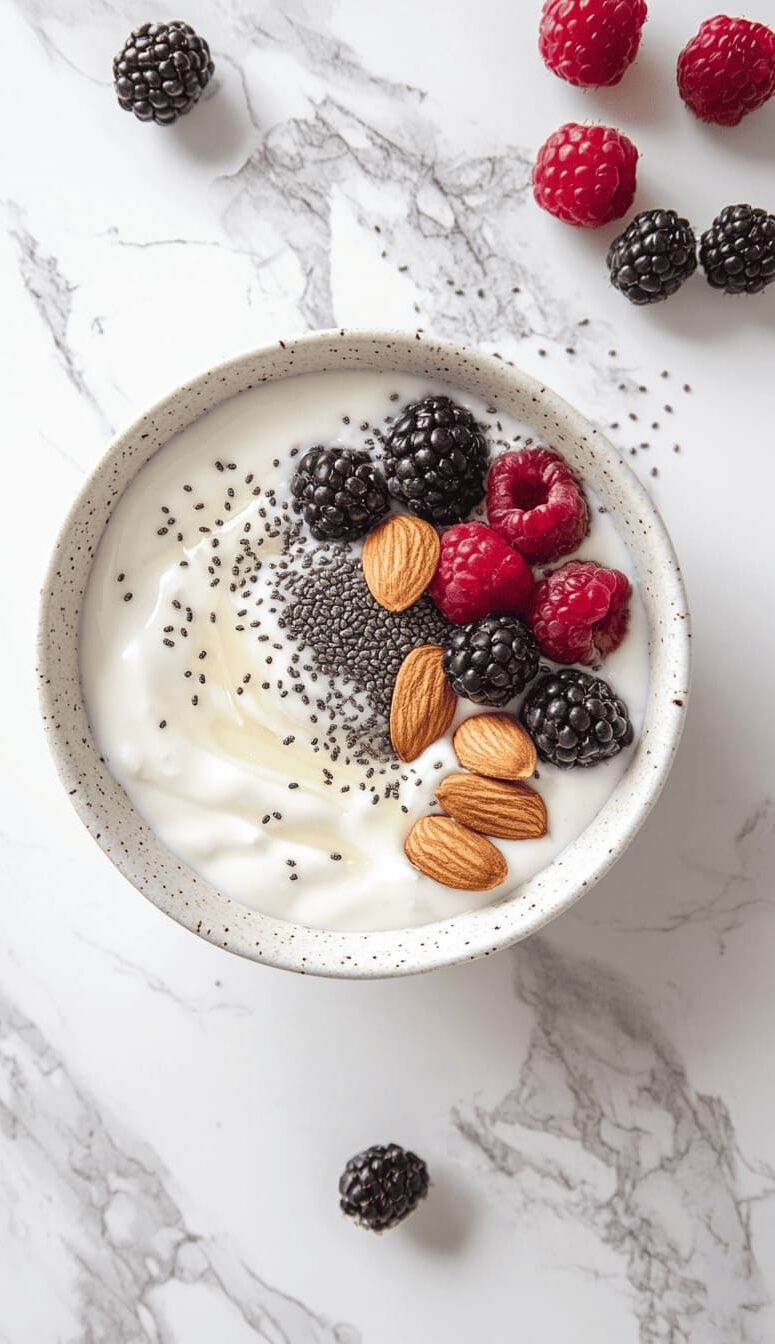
[{"x": 207, "y": 780}]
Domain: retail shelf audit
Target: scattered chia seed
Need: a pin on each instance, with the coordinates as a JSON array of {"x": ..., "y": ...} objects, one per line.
[{"x": 127, "y": 597}]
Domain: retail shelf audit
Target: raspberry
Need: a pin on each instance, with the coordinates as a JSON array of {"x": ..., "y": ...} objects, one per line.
[
  {"x": 536, "y": 503},
  {"x": 579, "y": 613},
  {"x": 591, "y": 42},
  {"x": 586, "y": 175},
  {"x": 728, "y": 69},
  {"x": 479, "y": 575}
]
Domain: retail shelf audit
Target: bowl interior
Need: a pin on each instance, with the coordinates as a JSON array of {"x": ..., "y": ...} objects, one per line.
[{"x": 129, "y": 842}]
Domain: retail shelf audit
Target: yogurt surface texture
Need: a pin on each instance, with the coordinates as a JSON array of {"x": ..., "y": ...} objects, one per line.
[{"x": 221, "y": 728}]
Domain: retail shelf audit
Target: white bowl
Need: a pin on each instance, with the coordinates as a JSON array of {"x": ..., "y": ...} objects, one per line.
[{"x": 132, "y": 846}]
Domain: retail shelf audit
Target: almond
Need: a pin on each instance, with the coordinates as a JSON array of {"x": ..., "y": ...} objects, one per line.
[
  {"x": 454, "y": 856},
  {"x": 495, "y": 745},
  {"x": 400, "y": 557},
  {"x": 511, "y": 811},
  {"x": 423, "y": 704}
]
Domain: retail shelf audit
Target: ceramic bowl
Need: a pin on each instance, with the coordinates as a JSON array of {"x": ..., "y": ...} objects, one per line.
[{"x": 107, "y": 812}]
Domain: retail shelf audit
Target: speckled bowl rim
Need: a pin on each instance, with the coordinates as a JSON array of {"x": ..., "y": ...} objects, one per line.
[{"x": 205, "y": 911}]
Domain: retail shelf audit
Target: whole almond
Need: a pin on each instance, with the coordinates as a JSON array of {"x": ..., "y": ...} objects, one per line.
[
  {"x": 454, "y": 856},
  {"x": 510, "y": 811},
  {"x": 400, "y": 557},
  {"x": 423, "y": 704},
  {"x": 495, "y": 745}
]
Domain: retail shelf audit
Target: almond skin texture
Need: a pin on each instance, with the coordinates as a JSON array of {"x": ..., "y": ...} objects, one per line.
[
  {"x": 400, "y": 556},
  {"x": 495, "y": 745},
  {"x": 510, "y": 811},
  {"x": 454, "y": 856},
  {"x": 423, "y": 704}
]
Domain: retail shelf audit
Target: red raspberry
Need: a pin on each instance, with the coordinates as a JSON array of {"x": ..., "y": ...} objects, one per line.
[
  {"x": 728, "y": 69},
  {"x": 586, "y": 175},
  {"x": 580, "y": 612},
  {"x": 479, "y": 575},
  {"x": 536, "y": 503},
  {"x": 591, "y": 42}
]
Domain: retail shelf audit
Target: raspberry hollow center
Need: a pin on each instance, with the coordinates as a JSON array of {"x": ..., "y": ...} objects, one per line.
[{"x": 528, "y": 495}]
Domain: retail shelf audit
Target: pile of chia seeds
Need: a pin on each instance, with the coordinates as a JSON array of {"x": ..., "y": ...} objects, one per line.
[{"x": 350, "y": 640}]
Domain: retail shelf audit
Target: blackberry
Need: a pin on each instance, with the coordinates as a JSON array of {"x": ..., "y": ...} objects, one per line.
[
  {"x": 738, "y": 250},
  {"x": 340, "y": 493},
  {"x": 435, "y": 459},
  {"x": 380, "y": 1186},
  {"x": 575, "y": 719},
  {"x": 161, "y": 70},
  {"x": 653, "y": 257},
  {"x": 491, "y": 661}
]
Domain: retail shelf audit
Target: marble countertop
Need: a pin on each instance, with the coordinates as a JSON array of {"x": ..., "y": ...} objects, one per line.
[{"x": 596, "y": 1105}]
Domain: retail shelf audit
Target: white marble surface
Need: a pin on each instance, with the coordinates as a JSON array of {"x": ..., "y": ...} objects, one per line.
[{"x": 597, "y": 1105}]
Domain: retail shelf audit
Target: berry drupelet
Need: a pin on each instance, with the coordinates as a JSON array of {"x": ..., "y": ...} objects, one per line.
[
  {"x": 339, "y": 492},
  {"x": 653, "y": 257},
  {"x": 575, "y": 719},
  {"x": 738, "y": 250},
  {"x": 161, "y": 71},
  {"x": 435, "y": 459},
  {"x": 491, "y": 661},
  {"x": 382, "y": 1185}
]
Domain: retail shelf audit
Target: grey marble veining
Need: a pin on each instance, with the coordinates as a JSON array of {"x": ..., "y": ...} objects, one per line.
[
  {"x": 604, "y": 1125},
  {"x": 126, "y": 1249},
  {"x": 52, "y": 296}
]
